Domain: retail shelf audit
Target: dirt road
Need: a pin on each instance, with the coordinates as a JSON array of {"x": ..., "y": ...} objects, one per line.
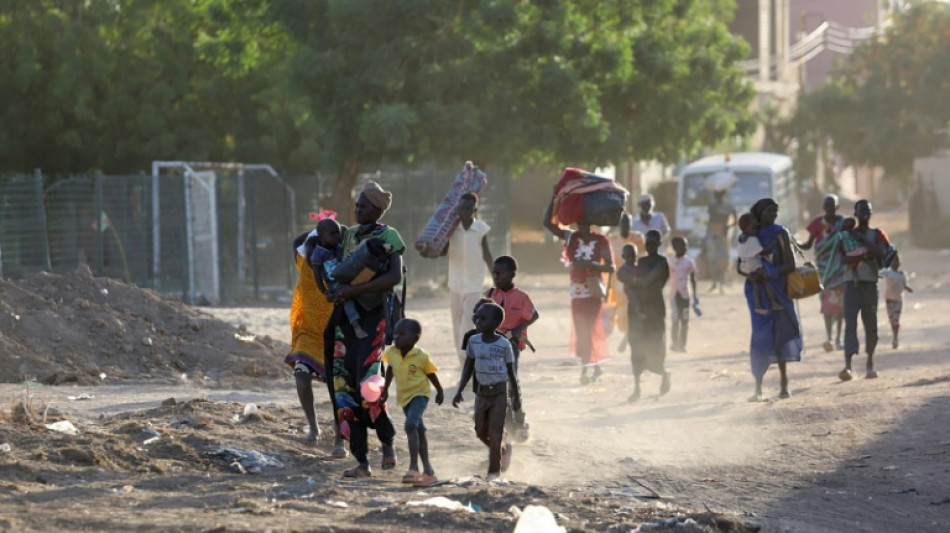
[{"x": 868, "y": 455}]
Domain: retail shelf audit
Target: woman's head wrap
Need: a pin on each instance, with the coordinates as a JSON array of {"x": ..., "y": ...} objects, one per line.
[
  {"x": 377, "y": 196},
  {"x": 759, "y": 207}
]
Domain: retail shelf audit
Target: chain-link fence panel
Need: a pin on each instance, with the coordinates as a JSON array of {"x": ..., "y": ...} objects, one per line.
[
  {"x": 269, "y": 230},
  {"x": 24, "y": 249},
  {"x": 170, "y": 246},
  {"x": 100, "y": 221},
  {"x": 125, "y": 204}
]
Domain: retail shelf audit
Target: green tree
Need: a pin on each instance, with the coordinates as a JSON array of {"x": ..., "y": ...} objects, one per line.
[
  {"x": 886, "y": 103},
  {"x": 508, "y": 83},
  {"x": 112, "y": 85}
]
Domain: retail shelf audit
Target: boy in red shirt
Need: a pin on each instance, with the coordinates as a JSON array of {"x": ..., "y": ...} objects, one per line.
[{"x": 519, "y": 314}]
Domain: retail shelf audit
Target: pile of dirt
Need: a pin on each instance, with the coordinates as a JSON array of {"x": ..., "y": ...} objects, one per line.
[{"x": 77, "y": 328}]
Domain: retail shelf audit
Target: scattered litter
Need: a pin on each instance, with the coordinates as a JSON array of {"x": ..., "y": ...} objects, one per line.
[
  {"x": 15, "y": 316},
  {"x": 240, "y": 460},
  {"x": 6, "y": 448},
  {"x": 662, "y": 524},
  {"x": 251, "y": 409},
  {"x": 537, "y": 518},
  {"x": 380, "y": 501},
  {"x": 889, "y": 468},
  {"x": 468, "y": 481},
  {"x": 443, "y": 503},
  {"x": 245, "y": 338},
  {"x": 82, "y": 396},
  {"x": 151, "y": 440},
  {"x": 903, "y": 491},
  {"x": 104, "y": 292},
  {"x": 147, "y": 341},
  {"x": 64, "y": 426},
  {"x": 859, "y": 457},
  {"x": 515, "y": 511},
  {"x": 341, "y": 505},
  {"x": 102, "y": 376}
]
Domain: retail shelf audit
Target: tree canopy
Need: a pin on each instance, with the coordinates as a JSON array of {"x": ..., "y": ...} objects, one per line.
[
  {"x": 507, "y": 83},
  {"x": 886, "y": 103},
  {"x": 338, "y": 85}
]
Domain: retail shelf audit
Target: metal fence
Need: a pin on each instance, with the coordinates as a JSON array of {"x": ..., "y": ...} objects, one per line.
[
  {"x": 23, "y": 245},
  {"x": 178, "y": 237},
  {"x": 209, "y": 234}
]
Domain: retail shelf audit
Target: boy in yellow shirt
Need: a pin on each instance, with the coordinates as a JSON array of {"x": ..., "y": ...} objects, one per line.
[{"x": 413, "y": 370}]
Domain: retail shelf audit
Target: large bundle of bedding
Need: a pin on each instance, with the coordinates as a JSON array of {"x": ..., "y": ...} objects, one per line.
[{"x": 583, "y": 197}]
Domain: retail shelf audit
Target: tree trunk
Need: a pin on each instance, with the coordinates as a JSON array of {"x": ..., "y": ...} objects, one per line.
[{"x": 341, "y": 200}]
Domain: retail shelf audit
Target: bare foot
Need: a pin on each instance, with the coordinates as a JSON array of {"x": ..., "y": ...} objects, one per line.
[
  {"x": 585, "y": 380},
  {"x": 634, "y": 397},
  {"x": 784, "y": 394},
  {"x": 872, "y": 374},
  {"x": 895, "y": 344},
  {"x": 845, "y": 375},
  {"x": 312, "y": 438},
  {"x": 339, "y": 450},
  {"x": 828, "y": 345},
  {"x": 665, "y": 386},
  {"x": 597, "y": 373},
  {"x": 757, "y": 397}
]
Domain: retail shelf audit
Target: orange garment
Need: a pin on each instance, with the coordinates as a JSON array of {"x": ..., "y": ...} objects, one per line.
[
  {"x": 309, "y": 313},
  {"x": 517, "y": 305}
]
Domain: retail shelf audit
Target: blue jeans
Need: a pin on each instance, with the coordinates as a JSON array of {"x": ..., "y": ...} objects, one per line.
[
  {"x": 860, "y": 298},
  {"x": 414, "y": 411}
]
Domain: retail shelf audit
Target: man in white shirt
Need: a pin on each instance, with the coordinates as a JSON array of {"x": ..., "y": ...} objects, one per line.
[
  {"x": 647, "y": 219},
  {"x": 469, "y": 261}
]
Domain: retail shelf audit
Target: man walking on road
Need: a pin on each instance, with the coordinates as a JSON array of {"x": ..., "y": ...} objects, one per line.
[
  {"x": 860, "y": 289},
  {"x": 469, "y": 260}
]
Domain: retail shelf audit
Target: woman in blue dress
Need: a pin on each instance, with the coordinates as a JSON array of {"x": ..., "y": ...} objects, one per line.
[{"x": 776, "y": 335}]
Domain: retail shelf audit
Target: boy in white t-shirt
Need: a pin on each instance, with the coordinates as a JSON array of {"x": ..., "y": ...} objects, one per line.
[
  {"x": 682, "y": 277},
  {"x": 469, "y": 260},
  {"x": 895, "y": 283},
  {"x": 490, "y": 359}
]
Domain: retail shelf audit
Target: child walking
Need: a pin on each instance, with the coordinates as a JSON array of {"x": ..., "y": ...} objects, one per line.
[
  {"x": 490, "y": 358},
  {"x": 750, "y": 260},
  {"x": 628, "y": 271},
  {"x": 519, "y": 314},
  {"x": 895, "y": 283},
  {"x": 413, "y": 370},
  {"x": 646, "y": 329},
  {"x": 683, "y": 276}
]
